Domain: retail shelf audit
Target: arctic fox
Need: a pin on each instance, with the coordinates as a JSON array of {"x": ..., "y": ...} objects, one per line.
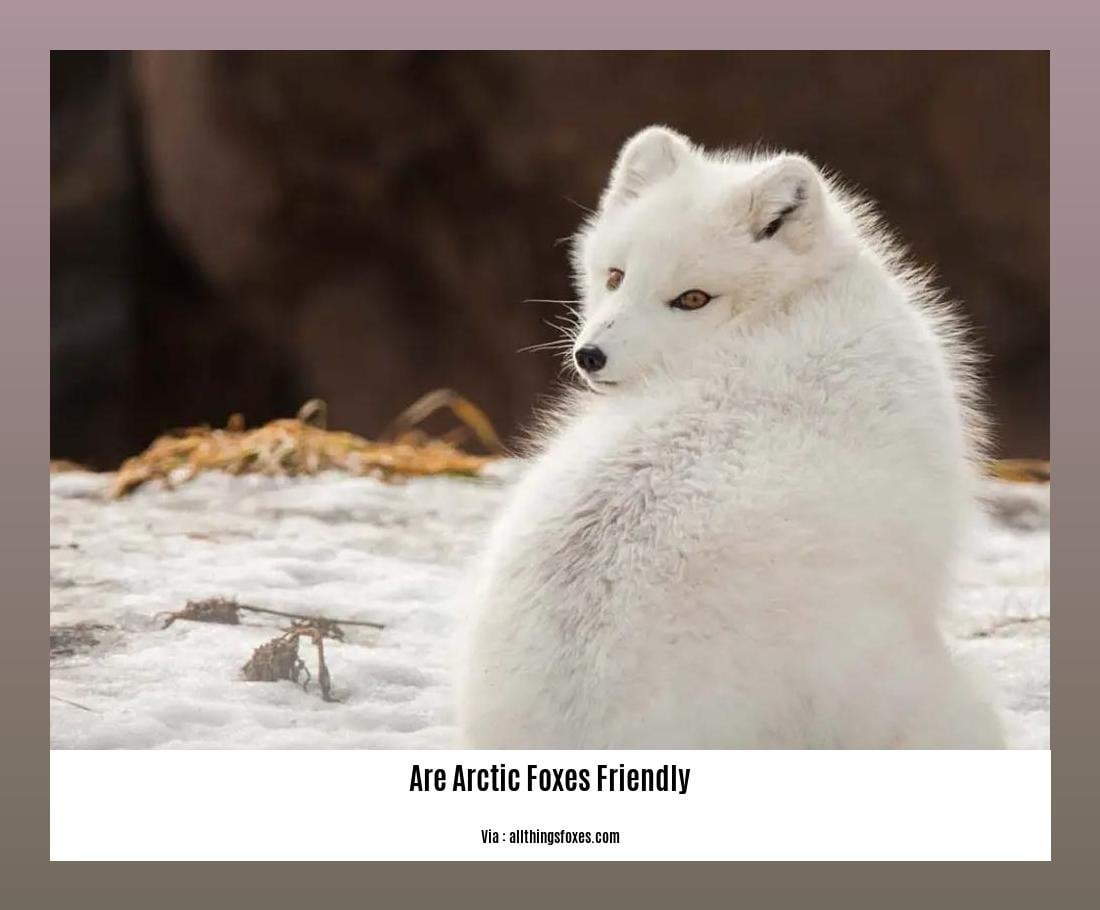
[{"x": 740, "y": 534}]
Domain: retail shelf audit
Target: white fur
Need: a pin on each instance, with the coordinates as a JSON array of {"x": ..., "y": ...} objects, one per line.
[{"x": 745, "y": 540}]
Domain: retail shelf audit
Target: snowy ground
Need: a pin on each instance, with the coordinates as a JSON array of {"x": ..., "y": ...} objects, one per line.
[{"x": 356, "y": 548}]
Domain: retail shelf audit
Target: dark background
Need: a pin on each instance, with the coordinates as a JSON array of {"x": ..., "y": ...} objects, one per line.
[{"x": 243, "y": 231}]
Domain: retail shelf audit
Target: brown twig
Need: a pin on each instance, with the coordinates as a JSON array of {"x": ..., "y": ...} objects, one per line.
[
  {"x": 65, "y": 701},
  {"x": 225, "y": 610},
  {"x": 470, "y": 414},
  {"x": 278, "y": 658},
  {"x": 315, "y": 619},
  {"x": 994, "y": 629}
]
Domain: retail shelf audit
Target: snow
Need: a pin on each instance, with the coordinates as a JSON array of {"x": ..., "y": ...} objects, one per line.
[{"x": 359, "y": 549}]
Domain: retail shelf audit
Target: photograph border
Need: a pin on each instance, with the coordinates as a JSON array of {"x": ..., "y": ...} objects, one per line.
[{"x": 31, "y": 30}]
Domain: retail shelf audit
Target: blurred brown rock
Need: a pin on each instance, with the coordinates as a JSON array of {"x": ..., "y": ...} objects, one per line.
[{"x": 362, "y": 227}]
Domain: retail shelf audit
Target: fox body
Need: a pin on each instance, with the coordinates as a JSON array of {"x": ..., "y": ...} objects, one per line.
[{"x": 739, "y": 535}]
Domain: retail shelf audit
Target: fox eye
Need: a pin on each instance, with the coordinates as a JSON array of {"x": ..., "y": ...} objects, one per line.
[
  {"x": 614, "y": 278},
  {"x": 691, "y": 300}
]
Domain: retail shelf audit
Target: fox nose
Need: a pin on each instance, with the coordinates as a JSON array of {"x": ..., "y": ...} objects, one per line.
[{"x": 590, "y": 359}]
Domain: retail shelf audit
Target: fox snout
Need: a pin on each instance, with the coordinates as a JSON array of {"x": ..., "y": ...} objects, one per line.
[{"x": 590, "y": 359}]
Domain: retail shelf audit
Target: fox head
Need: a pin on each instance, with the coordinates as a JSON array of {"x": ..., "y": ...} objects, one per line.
[{"x": 684, "y": 242}]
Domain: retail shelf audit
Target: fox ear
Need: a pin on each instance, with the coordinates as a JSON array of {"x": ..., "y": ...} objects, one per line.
[
  {"x": 645, "y": 158},
  {"x": 786, "y": 202}
]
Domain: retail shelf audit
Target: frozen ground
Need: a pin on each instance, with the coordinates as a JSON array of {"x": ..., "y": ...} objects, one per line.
[{"x": 355, "y": 548}]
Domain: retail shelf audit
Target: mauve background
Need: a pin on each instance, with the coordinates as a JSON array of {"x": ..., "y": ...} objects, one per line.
[{"x": 242, "y": 231}]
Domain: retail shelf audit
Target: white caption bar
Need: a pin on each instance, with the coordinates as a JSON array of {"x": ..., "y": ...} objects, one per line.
[{"x": 342, "y": 805}]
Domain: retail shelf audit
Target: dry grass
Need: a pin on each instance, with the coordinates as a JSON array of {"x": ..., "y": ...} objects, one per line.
[
  {"x": 214, "y": 609},
  {"x": 64, "y": 466},
  {"x": 303, "y": 445},
  {"x": 1021, "y": 470},
  {"x": 67, "y": 641},
  {"x": 278, "y": 659}
]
